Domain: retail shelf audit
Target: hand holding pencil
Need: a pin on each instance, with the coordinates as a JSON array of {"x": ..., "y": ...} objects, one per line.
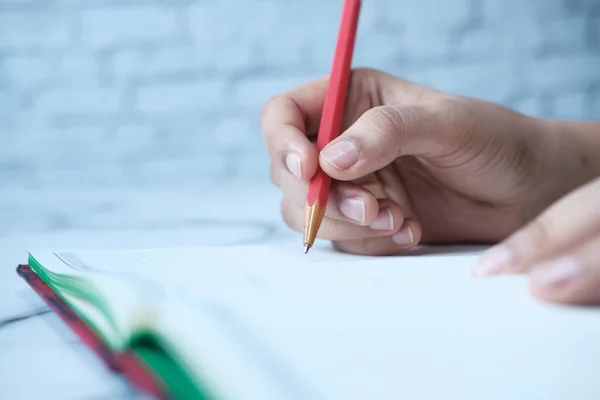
[{"x": 410, "y": 164}]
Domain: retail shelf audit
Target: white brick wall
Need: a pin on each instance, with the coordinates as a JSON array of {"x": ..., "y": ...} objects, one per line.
[
  {"x": 146, "y": 92},
  {"x": 188, "y": 95},
  {"x": 128, "y": 25},
  {"x": 87, "y": 100},
  {"x": 24, "y": 27}
]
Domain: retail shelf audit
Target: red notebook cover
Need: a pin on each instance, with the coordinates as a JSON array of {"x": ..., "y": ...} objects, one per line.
[{"x": 124, "y": 363}]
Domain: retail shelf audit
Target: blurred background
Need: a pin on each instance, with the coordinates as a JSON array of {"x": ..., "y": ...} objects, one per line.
[
  {"x": 108, "y": 107},
  {"x": 139, "y": 93}
]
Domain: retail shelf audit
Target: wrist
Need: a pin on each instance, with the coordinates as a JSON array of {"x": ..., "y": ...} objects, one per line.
[
  {"x": 578, "y": 146},
  {"x": 572, "y": 155}
]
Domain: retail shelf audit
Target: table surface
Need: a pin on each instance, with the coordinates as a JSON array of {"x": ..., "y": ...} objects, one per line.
[{"x": 39, "y": 356}]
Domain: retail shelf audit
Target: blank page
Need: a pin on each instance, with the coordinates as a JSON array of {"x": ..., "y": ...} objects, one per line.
[
  {"x": 352, "y": 327},
  {"x": 417, "y": 326}
]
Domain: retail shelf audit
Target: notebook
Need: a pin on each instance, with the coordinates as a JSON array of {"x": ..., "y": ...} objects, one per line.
[{"x": 269, "y": 322}]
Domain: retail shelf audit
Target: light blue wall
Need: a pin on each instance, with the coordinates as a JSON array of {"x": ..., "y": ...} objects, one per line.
[{"x": 167, "y": 92}]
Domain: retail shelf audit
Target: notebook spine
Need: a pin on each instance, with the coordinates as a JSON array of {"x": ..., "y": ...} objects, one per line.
[{"x": 124, "y": 363}]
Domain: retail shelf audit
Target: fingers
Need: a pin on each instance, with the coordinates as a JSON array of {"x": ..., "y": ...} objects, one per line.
[
  {"x": 355, "y": 220},
  {"x": 389, "y": 220},
  {"x": 564, "y": 226},
  {"x": 285, "y": 122},
  {"x": 394, "y": 189},
  {"x": 560, "y": 250},
  {"x": 405, "y": 239},
  {"x": 571, "y": 278},
  {"x": 384, "y": 133},
  {"x": 347, "y": 201}
]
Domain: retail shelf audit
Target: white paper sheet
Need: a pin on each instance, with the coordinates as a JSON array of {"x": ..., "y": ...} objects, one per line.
[{"x": 349, "y": 327}]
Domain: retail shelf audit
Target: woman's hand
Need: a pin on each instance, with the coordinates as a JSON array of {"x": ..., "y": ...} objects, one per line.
[
  {"x": 414, "y": 165},
  {"x": 560, "y": 250}
]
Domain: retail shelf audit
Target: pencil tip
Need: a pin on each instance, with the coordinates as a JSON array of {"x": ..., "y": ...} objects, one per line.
[{"x": 306, "y": 248}]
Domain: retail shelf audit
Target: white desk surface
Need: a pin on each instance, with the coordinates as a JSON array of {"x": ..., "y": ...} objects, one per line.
[{"x": 41, "y": 358}]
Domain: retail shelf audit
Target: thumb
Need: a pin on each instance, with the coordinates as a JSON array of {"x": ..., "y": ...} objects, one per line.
[
  {"x": 565, "y": 225},
  {"x": 378, "y": 137}
]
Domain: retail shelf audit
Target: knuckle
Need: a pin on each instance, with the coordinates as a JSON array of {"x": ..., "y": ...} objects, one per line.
[
  {"x": 389, "y": 124},
  {"x": 268, "y": 105},
  {"x": 385, "y": 119},
  {"x": 267, "y": 130},
  {"x": 359, "y": 75}
]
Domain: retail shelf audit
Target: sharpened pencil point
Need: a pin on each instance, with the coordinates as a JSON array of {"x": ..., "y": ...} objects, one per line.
[{"x": 306, "y": 248}]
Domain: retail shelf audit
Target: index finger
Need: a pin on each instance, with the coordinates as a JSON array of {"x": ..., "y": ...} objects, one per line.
[{"x": 287, "y": 120}]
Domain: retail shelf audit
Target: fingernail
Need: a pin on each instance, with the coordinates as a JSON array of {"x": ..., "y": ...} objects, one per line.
[
  {"x": 342, "y": 154},
  {"x": 384, "y": 220},
  {"x": 556, "y": 272},
  {"x": 493, "y": 262},
  {"x": 403, "y": 237},
  {"x": 292, "y": 161},
  {"x": 353, "y": 208}
]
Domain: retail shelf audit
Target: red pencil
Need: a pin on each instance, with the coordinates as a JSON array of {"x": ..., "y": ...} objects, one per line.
[{"x": 331, "y": 119}]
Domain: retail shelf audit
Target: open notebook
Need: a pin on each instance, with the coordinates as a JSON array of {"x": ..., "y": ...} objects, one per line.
[{"x": 268, "y": 322}]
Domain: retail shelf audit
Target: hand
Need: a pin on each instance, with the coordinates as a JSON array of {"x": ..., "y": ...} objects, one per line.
[
  {"x": 560, "y": 250},
  {"x": 414, "y": 165}
]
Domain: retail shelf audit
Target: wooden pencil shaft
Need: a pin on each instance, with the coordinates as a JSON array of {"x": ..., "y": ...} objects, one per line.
[
  {"x": 332, "y": 116},
  {"x": 335, "y": 97}
]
